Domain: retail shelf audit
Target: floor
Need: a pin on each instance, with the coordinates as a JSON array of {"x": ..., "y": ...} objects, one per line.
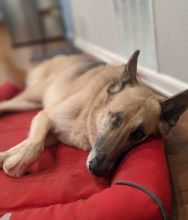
[{"x": 14, "y": 65}]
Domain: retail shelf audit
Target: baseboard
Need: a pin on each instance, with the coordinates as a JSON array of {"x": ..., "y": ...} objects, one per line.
[{"x": 160, "y": 82}]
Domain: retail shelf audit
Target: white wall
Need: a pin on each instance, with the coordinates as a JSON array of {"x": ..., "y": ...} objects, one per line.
[
  {"x": 118, "y": 26},
  {"x": 165, "y": 35},
  {"x": 171, "y": 18},
  {"x": 93, "y": 22}
]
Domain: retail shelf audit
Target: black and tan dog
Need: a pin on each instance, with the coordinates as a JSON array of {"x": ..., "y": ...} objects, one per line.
[{"x": 94, "y": 107}]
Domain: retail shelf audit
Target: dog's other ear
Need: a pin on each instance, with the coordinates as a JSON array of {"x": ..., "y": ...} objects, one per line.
[
  {"x": 172, "y": 108},
  {"x": 128, "y": 76}
]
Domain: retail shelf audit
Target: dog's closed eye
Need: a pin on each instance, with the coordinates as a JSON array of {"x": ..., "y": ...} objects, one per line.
[{"x": 137, "y": 134}]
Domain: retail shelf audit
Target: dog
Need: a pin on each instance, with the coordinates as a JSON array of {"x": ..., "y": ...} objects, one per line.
[{"x": 99, "y": 108}]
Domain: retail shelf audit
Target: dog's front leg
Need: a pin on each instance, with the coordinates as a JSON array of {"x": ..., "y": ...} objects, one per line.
[{"x": 16, "y": 160}]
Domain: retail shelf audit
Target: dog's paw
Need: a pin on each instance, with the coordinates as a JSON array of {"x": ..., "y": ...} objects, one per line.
[
  {"x": 19, "y": 158},
  {"x": 3, "y": 156},
  {"x": 14, "y": 166}
]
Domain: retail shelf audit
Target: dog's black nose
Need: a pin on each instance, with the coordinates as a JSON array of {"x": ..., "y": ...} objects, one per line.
[
  {"x": 97, "y": 168},
  {"x": 93, "y": 166}
]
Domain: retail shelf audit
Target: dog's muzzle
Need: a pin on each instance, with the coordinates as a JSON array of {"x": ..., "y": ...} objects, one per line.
[
  {"x": 98, "y": 168},
  {"x": 97, "y": 164}
]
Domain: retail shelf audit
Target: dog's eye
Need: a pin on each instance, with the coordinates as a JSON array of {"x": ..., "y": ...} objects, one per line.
[
  {"x": 138, "y": 134},
  {"x": 116, "y": 119}
]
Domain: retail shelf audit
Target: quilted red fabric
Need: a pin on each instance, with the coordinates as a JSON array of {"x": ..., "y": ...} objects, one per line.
[{"x": 58, "y": 185}]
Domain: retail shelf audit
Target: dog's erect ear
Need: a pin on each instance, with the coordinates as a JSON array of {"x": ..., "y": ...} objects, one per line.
[
  {"x": 172, "y": 108},
  {"x": 128, "y": 76}
]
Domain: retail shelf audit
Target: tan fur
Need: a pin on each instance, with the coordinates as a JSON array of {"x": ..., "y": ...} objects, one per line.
[{"x": 77, "y": 108}]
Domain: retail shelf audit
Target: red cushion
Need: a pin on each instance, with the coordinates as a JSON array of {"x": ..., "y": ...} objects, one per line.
[
  {"x": 8, "y": 90},
  {"x": 60, "y": 187}
]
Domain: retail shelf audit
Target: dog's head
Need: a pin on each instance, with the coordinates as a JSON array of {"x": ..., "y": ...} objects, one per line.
[{"x": 129, "y": 114}]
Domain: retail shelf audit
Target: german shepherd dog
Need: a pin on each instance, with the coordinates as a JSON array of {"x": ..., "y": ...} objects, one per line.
[{"x": 99, "y": 108}]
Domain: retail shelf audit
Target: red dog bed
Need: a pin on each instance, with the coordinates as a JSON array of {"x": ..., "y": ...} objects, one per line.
[{"x": 59, "y": 186}]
